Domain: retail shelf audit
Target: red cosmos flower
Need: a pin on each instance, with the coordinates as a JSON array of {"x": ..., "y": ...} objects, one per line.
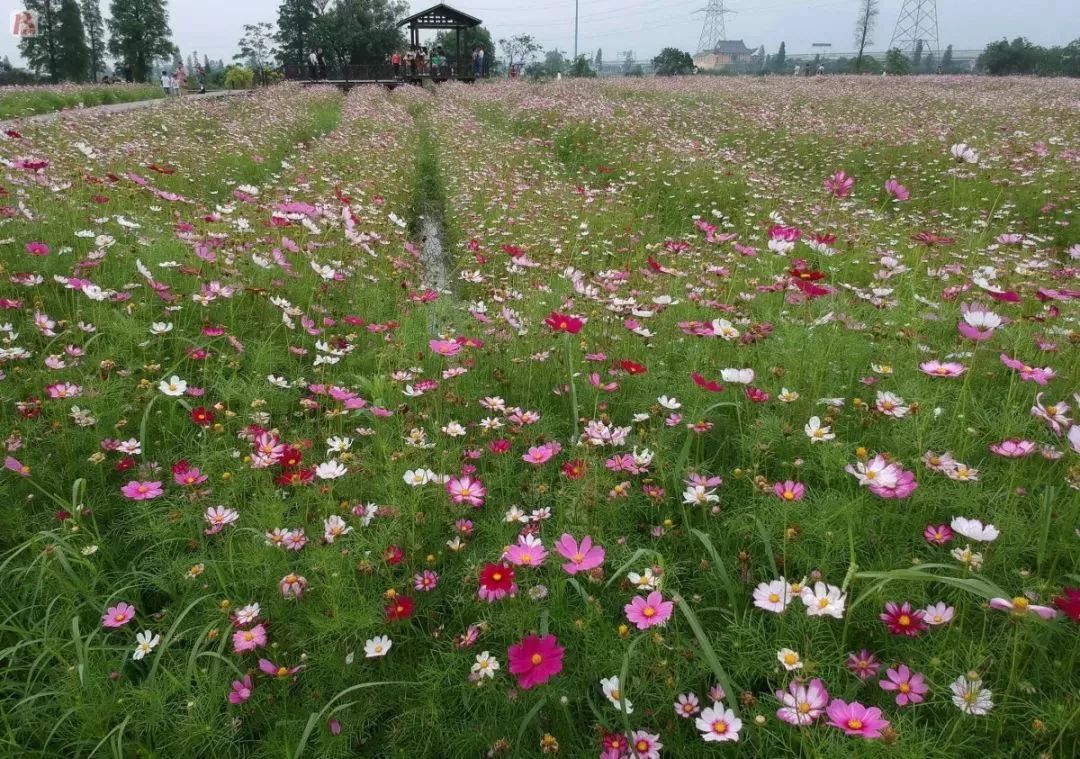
[
  {"x": 903, "y": 619},
  {"x": 496, "y": 582},
  {"x": 930, "y": 239},
  {"x": 124, "y": 464},
  {"x": 756, "y": 395},
  {"x": 574, "y": 469},
  {"x": 1069, "y": 603},
  {"x": 824, "y": 238},
  {"x": 295, "y": 478},
  {"x": 400, "y": 607},
  {"x": 393, "y": 555},
  {"x": 202, "y": 416},
  {"x": 499, "y": 446},
  {"x": 30, "y": 408},
  {"x": 811, "y": 290},
  {"x": 99, "y": 199},
  {"x": 809, "y": 275},
  {"x": 513, "y": 251},
  {"x": 631, "y": 367},
  {"x": 290, "y": 458},
  {"x": 181, "y": 467},
  {"x": 711, "y": 385},
  {"x": 564, "y": 323}
]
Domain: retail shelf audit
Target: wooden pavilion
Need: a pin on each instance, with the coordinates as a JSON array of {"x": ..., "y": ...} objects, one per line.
[{"x": 458, "y": 65}]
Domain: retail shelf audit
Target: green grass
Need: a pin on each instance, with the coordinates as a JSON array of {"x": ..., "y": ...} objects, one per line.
[{"x": 17, "y": 102}]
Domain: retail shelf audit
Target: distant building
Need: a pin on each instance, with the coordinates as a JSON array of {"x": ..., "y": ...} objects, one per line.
[{"x": 726, "y": 54}]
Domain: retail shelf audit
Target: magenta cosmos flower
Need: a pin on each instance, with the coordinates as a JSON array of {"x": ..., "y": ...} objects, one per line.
[
  {"x": 268, "y": 667},
  {"x": 465, "y": 489},
  {"x": 249, "y": 640},
  {"x": 863, "y": 664},
  {"x": 580, "y": 557},
  {"x": 535, "y": 660},
  {"x": 802, "y": 703},
  {"x": 855, "y": 719},
  {"x": 241, "y": 690},
  {"x": 649, "y": 611},
  {"x": 142, "y": 491},
  {"x": 910, "y": 687},
  {"x": 897, "y": 190},
  {"x": 938, "y": 534},
  {"x": 839, "y": 184},
  {"x": 789, "y": 490},
  {"x": 902, "y": 619},
  {"x": 1029, "y": 373},
  {"x": 118, "y": 616}
]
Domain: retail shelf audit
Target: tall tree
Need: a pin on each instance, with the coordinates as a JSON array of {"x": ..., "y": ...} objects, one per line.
[
  {"x": 295, "y": 30},
  {"x": 864, "y": 29},
  {"x": 360, "y": 31},
  {"x": 520, "y": 48},
  {"x": 598, "y": 61},
  {"x": 40, "y": 52},
  {"x": 470, "y": 38},
  {"x": 139, "y": 34},
  {"x": 95, "y": 36},
  {"x": 257, "y": 49},
  {"x": 72, "y": 54},
  {"x": 780, "y": 60},
  {"x": 673, "y": 62},
  {"x": 946, "y": 59}
]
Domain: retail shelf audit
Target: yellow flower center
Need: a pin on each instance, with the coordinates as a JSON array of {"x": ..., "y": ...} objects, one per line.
[
  {"x": 791, "y": 658},
  {"x": 641, "y": 746},
  {"x": 804, "y": 707},
  {"x": 904, "y": 620},
  {"x": 536, "y": 659},
  {"x": 854, "y": 724},
  {"x": 904, "y": 688},
  {"x": 789, "y": 496},
  {"x": 497, "y": 576},
  {"x": 719, "y": 727},
  {"x": 282, "y": 671},
  {"x": 648, "y": 612},
  {"x": 774, "y": 598},
  {"x": 1021, "y": 604}
]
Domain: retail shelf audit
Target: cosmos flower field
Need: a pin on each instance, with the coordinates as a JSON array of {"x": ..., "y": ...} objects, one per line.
[{"x": 725, "y": 417}]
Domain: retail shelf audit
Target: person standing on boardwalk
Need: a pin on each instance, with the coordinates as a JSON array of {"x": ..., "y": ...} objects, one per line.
[
  {"x": 181, "y": 79},
  {"x": 166, "y": 83},
  {"x": 395, "y": 61},
  {"x": 200, "y": 77}
]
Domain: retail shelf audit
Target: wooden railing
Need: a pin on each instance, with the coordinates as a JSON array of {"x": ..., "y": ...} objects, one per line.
[{"x": 462, "y": 69}]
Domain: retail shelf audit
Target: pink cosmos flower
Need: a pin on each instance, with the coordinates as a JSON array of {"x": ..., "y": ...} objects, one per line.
[
  {"x": 938, "y": 614},
  {"x": 1020, "y": 606},
  {"x": 580, "y": 558},
  {"x": 249, "y": 640},
  {"x": 855, "y": 719},
  {"x": 527, "y": 552},
  {"x": 978, "y": 322},
  {"x": 910, "y": 687},
  {"x": 686, "y": 706},
  {"x": 446, "y": 348},
  {"x": 839, "y": 184},
  {"x": 1013, "y": 448},
  {"x": 939, "y": 369},
  {"x": 863, "y": 664},
  {"x": 118, "y": 616},
  {"x": 268, "y": 667},
  {"x": 1029, "y": 373},
  {"x": 37, "y": 248},
  {"x": 535, "y": 660},
  {"x": 789, "y": 490},
  {"x": 465, "y": 489},
  {"x": 650, "y": 611},
  {"x": 902, "y": 619},
  {"x": 16, "y": 466},
  {"x": 938, "y": 534},
  {"x": 142, "y": 491},
  {"x": 897, "y": 190},
  {"x": 293, "y": 586},
  {"x": 803, "y": 703},
  {"x": 646, "y": 745},
  {"x": 241, "y": 690},
  {"x": 540, "y": 454}
]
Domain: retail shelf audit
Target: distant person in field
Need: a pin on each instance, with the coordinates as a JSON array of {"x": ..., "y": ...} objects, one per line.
[
  {"x": 821, "y": 69},
  {"x": 200, "y": 77},
  {"x": 166, "y": 83},
  {"x": 129, "y": 77},
  {"x": 181, "y": 79},
  {"x": 480, "y": 61},
  {"x": 313, "y": 65},
  {"x": 798, "y": 69},
  {"x": 395, "y": 61}
]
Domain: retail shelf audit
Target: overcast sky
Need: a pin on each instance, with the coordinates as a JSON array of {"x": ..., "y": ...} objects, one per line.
[{"x": 644, "y": 26}]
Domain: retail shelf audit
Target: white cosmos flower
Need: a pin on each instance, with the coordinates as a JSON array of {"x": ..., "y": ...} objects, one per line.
[
  {"x": 377, "y": 646},
  {"x": 817, "y": 432},
  {"x": 486, "y": 666},
  {"x": 789, "y": 659},
  {"x": 672, "y": 404},
  {"x": 614, "y": 695},
  {"x": 174, "y": 386},
  {"x": 737, "y": 376},
  {"x": 338, "y": 444},
  {"x": 824, "y": 600},
  {"x": 146, "y": 642},
  {"x": 973, "y": 529},
  {"x": 416, "y": 477},
  {"x": 330, "y": 470},
  {"x": 160, "y": 328}
]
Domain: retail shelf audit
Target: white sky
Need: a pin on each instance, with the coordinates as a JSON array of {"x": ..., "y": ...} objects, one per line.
[{"x": 644, "y": 26}]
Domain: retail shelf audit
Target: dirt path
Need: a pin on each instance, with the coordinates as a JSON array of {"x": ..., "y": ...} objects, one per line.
[{"x": 44, "y": 118}]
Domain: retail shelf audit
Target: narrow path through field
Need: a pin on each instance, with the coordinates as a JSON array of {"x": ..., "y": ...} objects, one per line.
[{"x": 44, "y": 118}]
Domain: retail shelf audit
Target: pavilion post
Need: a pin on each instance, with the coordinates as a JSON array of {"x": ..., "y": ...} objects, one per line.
[{"x": 457, "y": 54}]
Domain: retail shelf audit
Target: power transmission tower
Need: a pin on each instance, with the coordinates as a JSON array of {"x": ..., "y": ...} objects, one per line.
[
  {"x": 917, "y": 23},
  {"x": 713, "y": 30}
]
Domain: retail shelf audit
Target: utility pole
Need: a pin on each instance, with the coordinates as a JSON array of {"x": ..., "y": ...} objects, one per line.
[{"x": 575, "y": 27}]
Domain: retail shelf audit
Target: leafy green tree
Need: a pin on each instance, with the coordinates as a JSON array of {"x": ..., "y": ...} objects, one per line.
[
  {"x": 520, "y": 49},
  {"x": 139, "y": 34},
  {"x": 95, "y": 36},
  {"x": 257, "y": 48},
  {"x": 470, "y": 38},
  {"x": 673, "y": 62},
  {"x": 72, "y": 54},
  {"x": 598, "y": 61},
  {"x": 360, "y": 31},
  {"x": 580, "y": 68},
  {"x": 896, "y": 62},
  {"x": 296, "y": 30},
  {"x": 40, "y": 52}
]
